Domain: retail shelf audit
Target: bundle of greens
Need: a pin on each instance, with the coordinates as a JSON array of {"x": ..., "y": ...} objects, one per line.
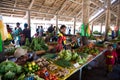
[
  {"x": 36, "y": 44},
  {"x": 8, "y": 70}
]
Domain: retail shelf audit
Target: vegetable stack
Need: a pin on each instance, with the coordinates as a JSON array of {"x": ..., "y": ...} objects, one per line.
[{"x": 8, "y": 70}]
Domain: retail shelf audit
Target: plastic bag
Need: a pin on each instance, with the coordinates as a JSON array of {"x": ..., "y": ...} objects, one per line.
[{"x": 3, "y": 30}]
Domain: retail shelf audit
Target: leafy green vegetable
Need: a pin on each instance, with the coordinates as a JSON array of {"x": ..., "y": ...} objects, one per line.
[
  {"x": 9, "y": 69},
  {"x": 38, "y": 44},
  {"x": 21, "y": 77},
  {"x": 9, "y": 75},
  {"x": 65, "y": 54},
  {"x": 74, "y": 56},
  {"x": 27, "y": 43},
  {"x": 63, "y": 63}
]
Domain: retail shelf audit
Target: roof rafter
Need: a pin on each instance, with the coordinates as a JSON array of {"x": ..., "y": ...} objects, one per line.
[
  {"x": 14, "y": 6},
  {"x": 30, "y": 6},
  {"x": 74, "y": 9},
  {"x": 62, "y": 6},
  {"x": 75, "y": 2}
]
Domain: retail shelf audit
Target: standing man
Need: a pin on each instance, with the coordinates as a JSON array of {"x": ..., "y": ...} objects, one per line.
[
  {"x": 51, "y": 29},
  {"x": 26, "y": 33},
  {"x": 18, "y": 34}
]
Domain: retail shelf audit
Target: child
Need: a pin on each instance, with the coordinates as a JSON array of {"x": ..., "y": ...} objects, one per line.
[{"x": 110, "y": 56}]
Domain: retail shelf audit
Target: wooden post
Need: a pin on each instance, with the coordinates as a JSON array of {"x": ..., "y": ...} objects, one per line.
[
  {"x": 28, "y": 17},
  {"x": 85, "y": 18},
  {"x": 57, "y": 23},
  {"x": 29, "y": 20},
  {"x": 74, "y": 24},
  {"x": 92, "y": 27},
  {"x": 107, "y": 21},
  {"x": 118, "y": 20},
  {"x": 101, "y": 27}
]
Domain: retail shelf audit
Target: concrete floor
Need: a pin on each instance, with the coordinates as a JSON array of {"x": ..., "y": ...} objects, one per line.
[{"x": 94, "y": 74}]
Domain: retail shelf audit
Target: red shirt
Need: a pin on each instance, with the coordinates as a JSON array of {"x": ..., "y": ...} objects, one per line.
[
  {"x": 61, "y": 39},
  {"x": 110, "y": 57}
]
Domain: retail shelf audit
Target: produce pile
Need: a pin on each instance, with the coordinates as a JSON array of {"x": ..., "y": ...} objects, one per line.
[
  {"x": 46, "y": 67},
  {"x": 9, "y": 70},
  {"x": 36, "y": 44},
  {"x": 67, "y": 58},
  {"x": 68, "y": 55},
  {"x": 31, "y": 67},
  {"x": 9, "y": 51},
  {"x": 43, "y": 62},
  {"x": 88, "y": 50},
  {"x": 44, "y": 73}
]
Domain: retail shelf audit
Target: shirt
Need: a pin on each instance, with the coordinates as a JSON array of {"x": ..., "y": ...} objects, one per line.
[
  {"x": 61, "y": 39},
  {"x": 110, "y": 57}
]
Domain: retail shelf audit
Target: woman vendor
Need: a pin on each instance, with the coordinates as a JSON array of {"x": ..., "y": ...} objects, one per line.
[{"x": 61, "y": 39}]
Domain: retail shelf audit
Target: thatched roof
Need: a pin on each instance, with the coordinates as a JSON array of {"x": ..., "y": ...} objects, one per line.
[{"x": 48, "y": 9}]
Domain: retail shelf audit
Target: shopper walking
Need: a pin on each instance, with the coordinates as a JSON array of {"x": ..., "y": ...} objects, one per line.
[{"x": 110, "y": 56}]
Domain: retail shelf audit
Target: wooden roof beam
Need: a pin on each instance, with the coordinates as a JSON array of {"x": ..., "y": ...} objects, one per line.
[
  {"x": 115, "y": 3},
  {"x": 33, "y": 11},
  {"x": 79, "y": 13},
  {"x": 30, "y": 6},
  {"x": 76, "y": 2},
  {"x": 95, "y": 3},
  {"x": 115, "y": 14},
  {"x": 62, "y": 6},
  {"x": 97, "y": 17},
  {"x": 14, "y": 6},
  {"x": 93, "y": 8},
  {"x": 52, "y": 5},
  {"x": 74, "y": 10}
]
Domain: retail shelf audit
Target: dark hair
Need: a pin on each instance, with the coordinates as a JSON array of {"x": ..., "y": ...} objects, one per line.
[
  {"x": 118, "y": 43},
  {"x": 41, "y": 26},
  {"x": 17, "y": 23},
  {"x": 62, "y": 26},
  {"x": 25, "y": 25},
  {"x": 7, "y": 25},
  {"x": 110, "y": 45}
]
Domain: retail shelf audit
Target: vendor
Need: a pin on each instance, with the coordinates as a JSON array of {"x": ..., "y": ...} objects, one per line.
[
  {"x": 61, "y": 39},
  {"x": 76, "y": 41}
]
